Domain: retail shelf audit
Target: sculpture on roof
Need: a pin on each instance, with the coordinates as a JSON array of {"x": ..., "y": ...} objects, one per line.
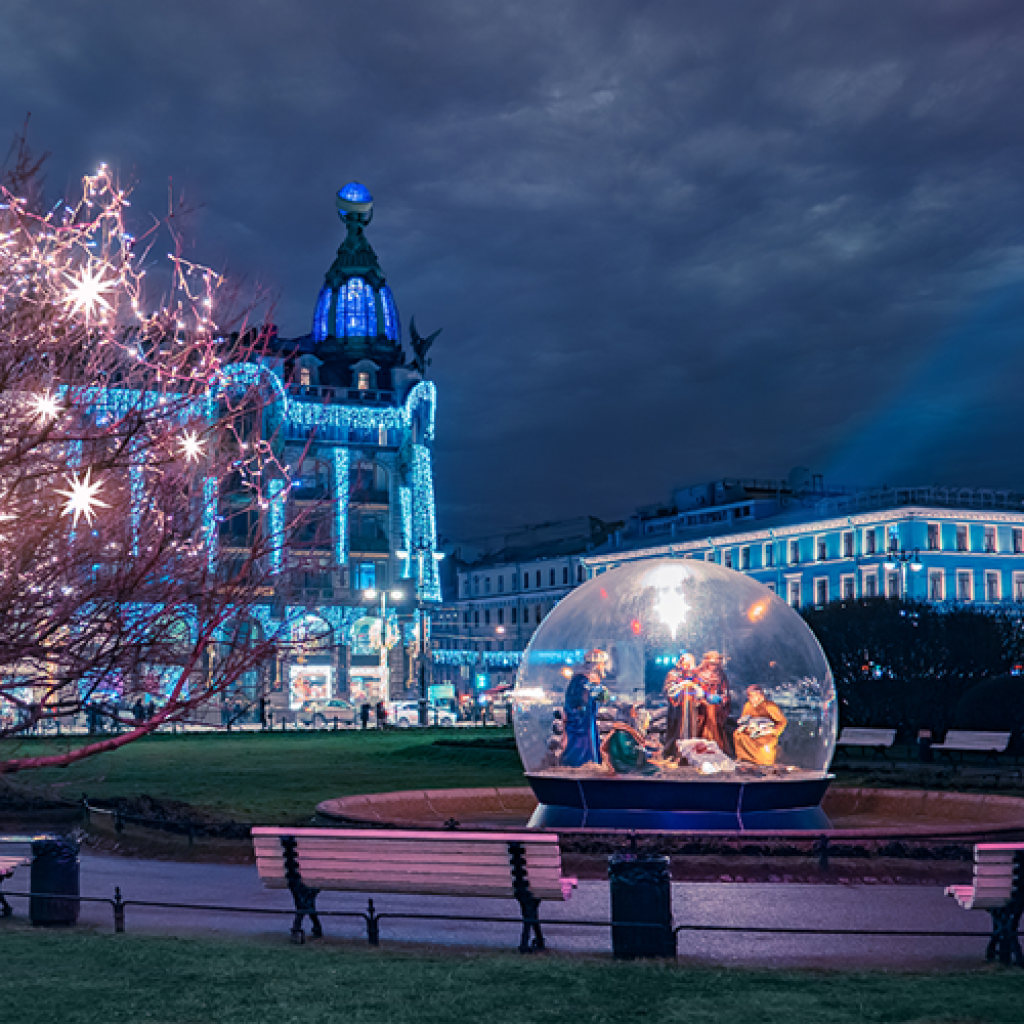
[{"x": 420, "y": 346}]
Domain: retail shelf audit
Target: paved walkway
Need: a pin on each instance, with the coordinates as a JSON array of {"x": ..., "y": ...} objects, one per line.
[{"x": 921, "y": 908}]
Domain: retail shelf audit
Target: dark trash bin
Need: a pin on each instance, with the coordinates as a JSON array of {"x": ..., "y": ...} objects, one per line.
[
  {"x": 54, "y": 873},
  {"x": 641, "y": 890}
]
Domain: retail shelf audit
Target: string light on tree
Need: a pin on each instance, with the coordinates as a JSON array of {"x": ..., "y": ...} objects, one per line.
[
  {"x": 45, "y": 406},
  {"x": 86, "y": 293},
  {"x": 192, "y": 446},
  {"x": 82, "y": 497}
]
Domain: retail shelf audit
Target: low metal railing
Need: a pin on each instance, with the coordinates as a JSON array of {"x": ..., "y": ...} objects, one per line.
[{"x": 372, "y": 919}]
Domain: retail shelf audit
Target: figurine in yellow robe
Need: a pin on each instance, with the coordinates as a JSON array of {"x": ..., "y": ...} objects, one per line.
[{"x": 757, "y": 736}]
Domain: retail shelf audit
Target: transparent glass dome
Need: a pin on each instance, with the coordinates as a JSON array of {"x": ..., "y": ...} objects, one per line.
[{"x": 675, "y": 669}]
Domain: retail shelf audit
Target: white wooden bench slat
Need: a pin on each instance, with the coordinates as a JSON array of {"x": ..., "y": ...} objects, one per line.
[
  {"x": 365, "y": 860},
  {"x": 384, "y": 874},
  {"x": 416, "y": 864},
  {"x": 424, "y": 851},
  {"x": 544, "y": 891},
  {"x": 404, "y": 851},
  {"x": 349, "y": 835},
  {"x": 855, "y": 737},
  {"x": 997, "y": 877},
  {"x": 957, "y": 739}
]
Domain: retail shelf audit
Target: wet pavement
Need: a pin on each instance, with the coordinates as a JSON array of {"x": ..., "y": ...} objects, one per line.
[{"x": 758, "y": 905}]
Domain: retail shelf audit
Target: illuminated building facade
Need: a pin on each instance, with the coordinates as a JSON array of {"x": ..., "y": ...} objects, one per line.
[
  {"x": 813, "y": 545},
  {"x": 356, "y": 431},
  {"x": 503, "y": 589}
]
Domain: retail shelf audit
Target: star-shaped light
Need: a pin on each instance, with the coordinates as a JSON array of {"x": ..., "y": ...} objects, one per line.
[
  {"x": 82, "y": 498},
  {"x": 86, "y": 292},
  {"x": 45, "y": 406},
  {"x": 192, "y": 446}
]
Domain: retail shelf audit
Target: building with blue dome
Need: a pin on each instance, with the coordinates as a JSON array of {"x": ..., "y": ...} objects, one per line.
[{"x": 356, "y": 429}]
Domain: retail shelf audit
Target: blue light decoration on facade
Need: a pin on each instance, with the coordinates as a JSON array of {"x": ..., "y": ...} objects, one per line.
[
  {"x": 405, "y": 507},
  {"x": 277, "y": 498},
  {"x": 340, "y": 463},
  {"x": 392, "y": 325},
  {"x": 355, "y": 313},
  {"x": 323, "y": 309},
  {"x": 211, "y": 495},
  {"x": 492, "y": 659},
  {"x": 424, "y": 526},
  {"x": 137, "y": 490}
]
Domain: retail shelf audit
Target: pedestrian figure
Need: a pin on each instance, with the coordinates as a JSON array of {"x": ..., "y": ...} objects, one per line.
[
  {"x": 382, "y": 715},
  {"x": 364, "y": 715}
]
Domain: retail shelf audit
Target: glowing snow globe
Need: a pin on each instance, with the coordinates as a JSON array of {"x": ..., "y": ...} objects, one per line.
[{"x": 675, "y": 694}]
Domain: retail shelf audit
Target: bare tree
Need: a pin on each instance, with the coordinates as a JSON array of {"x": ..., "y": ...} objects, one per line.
[{"x": 137, "y": 475}]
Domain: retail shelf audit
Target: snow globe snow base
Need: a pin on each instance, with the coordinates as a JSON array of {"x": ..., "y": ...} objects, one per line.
[{"x": 675, "y": 694}]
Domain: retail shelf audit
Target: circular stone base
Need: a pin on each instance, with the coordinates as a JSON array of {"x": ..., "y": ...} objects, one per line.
[{"x": 853, "y": 813}]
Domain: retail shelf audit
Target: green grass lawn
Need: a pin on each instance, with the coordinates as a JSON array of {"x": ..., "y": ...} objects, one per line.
[
  {"x": 87, "y": 979},
  {"x": 276, "y": 777}
]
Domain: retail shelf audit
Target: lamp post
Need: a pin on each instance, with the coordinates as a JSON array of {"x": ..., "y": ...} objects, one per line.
[
  {"x": 901, "y": 559},
  {"x": 373, "y": 595},
  {"x": 420, "y": 554}
]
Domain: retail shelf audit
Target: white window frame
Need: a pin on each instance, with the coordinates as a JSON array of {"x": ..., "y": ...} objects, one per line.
[
  {"x": 990, "y": 575},
  {"x": 969, "y": 576},
  {"x": 938, "y": 536},
  {"x": 865, "y": 575},
  {"x": 869, "y": 541},
  {"x": 850, "y": 579},
  {"x": 818, "y": 581},
  {"x": 791, "y": 582},
  {"x": 820, "y": 543},
  {"x": 990, "y": 531},
  {"x": 937, "y": 575},
  {"x": 768, "y": 555}
]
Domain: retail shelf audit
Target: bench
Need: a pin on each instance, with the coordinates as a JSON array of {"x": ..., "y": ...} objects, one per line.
[
  {"x": 524, "y": 867},
  {"x": 998, "y": 888},
  {"x": 878, "y": 740},
  {"x": 988, "y": 743},
  {"x": 9, "y": 863}
]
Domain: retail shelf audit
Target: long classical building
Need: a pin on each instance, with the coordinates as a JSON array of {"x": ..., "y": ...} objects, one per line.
[
  {"x": 504, "y": 586},
  {"x": 355, "y": 424},
  {"x": 814, "y": 545}
]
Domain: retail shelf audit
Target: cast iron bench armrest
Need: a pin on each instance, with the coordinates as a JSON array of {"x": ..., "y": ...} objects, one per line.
[
  {"x": 998, "y": 887},
  {"x": 522, "y": 866}
]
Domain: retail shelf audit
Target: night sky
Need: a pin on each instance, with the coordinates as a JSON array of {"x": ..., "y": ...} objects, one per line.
[{"x": 667, "y": 242}]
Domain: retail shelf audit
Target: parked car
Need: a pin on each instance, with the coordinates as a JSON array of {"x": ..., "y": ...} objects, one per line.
[
  {"x": 322, "y": 714},
  {"x": 406, "y": 714}
]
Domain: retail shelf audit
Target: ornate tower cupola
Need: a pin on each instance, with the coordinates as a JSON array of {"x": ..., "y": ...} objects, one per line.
[{"x": 356, "y": 317}]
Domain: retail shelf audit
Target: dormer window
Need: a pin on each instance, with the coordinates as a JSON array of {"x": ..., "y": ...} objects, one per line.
[{"x": 363, "y": 381}]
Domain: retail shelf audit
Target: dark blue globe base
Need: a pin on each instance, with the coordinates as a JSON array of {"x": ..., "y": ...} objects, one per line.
[{"x": 669, "y": 805}]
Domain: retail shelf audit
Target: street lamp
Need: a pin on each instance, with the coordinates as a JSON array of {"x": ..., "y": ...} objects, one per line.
[
  {"x": 896, "y": 558},
  {"x": 372, "y": 595},
  {"x": 424, "y": 639}
]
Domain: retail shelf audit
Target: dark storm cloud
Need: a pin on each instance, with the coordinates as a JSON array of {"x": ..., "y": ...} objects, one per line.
[{"x": 666, "y": 241}]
